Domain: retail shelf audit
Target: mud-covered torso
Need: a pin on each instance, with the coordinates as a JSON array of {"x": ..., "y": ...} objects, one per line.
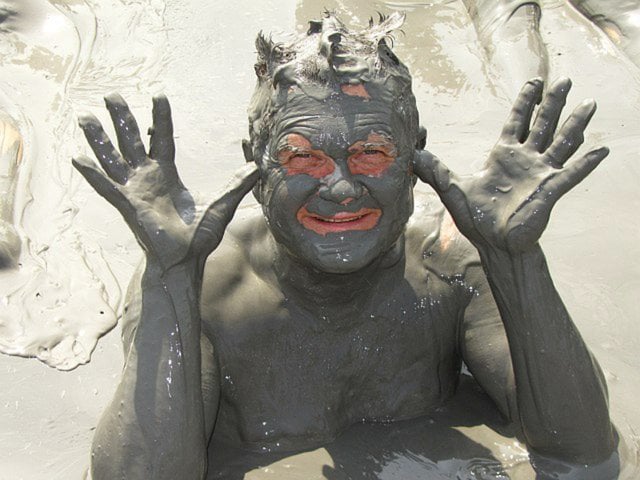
[{"x": 294, "y": 376}]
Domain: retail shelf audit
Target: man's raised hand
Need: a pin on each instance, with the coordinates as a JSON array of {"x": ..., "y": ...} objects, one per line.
[
  {"x": 146, "y": 189},
  {"x": 506, "y": 205}
]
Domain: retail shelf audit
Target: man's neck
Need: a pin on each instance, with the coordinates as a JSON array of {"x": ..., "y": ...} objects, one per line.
[{"x": 320, "y": 291}]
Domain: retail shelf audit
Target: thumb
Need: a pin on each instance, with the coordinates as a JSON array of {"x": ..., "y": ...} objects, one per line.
[
  {"x": 432, "y": 171},
  {"x": 215, "y": 219},
  {"x": 103, "y": 185}
]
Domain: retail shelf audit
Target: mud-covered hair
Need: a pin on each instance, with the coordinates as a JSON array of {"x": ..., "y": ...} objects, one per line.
[{"x": 329, "y": 55}]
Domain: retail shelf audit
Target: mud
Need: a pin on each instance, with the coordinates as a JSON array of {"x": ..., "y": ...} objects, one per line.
[{"x": 58, "y": 58}]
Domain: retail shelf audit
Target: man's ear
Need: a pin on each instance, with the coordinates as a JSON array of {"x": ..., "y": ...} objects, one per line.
[
  {"x": 414, "y": 179},
  {"x": 247, "y": 149},
  {"x": 421, "y": 142}
]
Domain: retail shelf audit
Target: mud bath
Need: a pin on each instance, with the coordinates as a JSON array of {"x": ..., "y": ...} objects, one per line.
[{"x": 60, "y": 57}]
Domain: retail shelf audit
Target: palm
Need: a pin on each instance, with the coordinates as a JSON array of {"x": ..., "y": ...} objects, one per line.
[
  {"x": 164, "y": 225},
  {"x": 506, "y": 205},
  {"x": 146, "y": 189}
]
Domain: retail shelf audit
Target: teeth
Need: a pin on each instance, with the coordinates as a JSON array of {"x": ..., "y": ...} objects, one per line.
[{"x": 340, "y": 220}]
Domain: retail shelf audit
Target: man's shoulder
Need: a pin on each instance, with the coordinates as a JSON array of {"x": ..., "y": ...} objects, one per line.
[
  {"x": 434, "y": 241},
  {"x": 241, "y": 251},
  {"x": 237, "y": 273}
]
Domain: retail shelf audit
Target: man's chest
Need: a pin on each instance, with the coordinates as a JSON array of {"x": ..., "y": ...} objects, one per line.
[{"x": 295, "y": 377}]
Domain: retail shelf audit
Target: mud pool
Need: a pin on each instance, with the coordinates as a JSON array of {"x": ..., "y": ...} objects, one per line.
[{"x": 61, "y": 301}]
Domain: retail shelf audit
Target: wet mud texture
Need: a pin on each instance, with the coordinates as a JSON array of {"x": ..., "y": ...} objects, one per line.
[
  {"x": 60, "y": 57},
  {"x": 456, "y": 441}
]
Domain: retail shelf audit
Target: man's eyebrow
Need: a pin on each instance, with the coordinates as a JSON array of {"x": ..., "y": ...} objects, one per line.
[
  {"x": 285, "y": 146},
  {"x": 383, "y": 142},
  {"x": 380, "y": 143}
]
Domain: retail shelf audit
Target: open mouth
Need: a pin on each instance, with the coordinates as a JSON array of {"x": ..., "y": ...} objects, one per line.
[{"x": 363, "y": 219}]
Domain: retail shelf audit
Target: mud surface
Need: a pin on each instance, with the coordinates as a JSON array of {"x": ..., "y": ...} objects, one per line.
[{"x": 59, "y": 57}]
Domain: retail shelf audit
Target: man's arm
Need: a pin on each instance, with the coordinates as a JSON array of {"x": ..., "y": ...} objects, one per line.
[
  {"x": 484, "y": 345},
  {"x": 155, "y": 425},
  {"x": 537, "y": 368},
  {"x": 561, "y": 398}
]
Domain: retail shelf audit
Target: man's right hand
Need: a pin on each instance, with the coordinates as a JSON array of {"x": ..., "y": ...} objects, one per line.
[{"x": 147, "y": 191}]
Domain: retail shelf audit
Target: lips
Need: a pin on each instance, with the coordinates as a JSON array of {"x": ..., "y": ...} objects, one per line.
[{"x": 363, "y": 219}]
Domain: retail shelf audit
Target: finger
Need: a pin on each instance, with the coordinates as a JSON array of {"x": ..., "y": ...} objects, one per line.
[
  {"x": 516, "y": 128},
  {"x": 102, "y": 184},
  {"x": 546, "y": 122},
  {"x": 109, "y": 190},
  {"x": 211, "y": 228},
  {"x": 162, "y": 147},
  {"x": 127, "y": 130},
  {"x": 113, "y": 164},
  {"x": 571, "y": 134},
  {"x": 431, "y": 170},
  {"x": 574, "y": 173}
]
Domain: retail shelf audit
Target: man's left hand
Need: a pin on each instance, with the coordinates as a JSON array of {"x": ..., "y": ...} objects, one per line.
[{"x": 506, "y": 205}]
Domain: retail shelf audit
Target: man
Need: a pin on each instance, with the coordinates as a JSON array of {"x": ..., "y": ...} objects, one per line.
[
  {"x": 336, "y": 284},
  {"x": 509, "y": 31},
  {"x": 618, "y": 19},
  {"x": 10, "y": 158}
]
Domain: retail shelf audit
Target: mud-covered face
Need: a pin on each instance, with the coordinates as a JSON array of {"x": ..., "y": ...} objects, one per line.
[{"x": 336, "y": 181}]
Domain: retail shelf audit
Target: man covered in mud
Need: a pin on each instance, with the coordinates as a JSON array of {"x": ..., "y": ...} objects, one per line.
[{"x": 337, "y": 305}]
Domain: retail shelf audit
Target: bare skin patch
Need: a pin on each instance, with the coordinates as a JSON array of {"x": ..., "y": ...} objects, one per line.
[
  {"x": 448, "y": 232},
  {"x": 363, "y": 219},
  {"x": 357, "y": 90},
  {"x": 373, "y": 156},
  {"x": 298, "y": 157}
]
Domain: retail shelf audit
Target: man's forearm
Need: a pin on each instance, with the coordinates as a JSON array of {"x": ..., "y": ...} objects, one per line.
[
  {"x": 562, "y": 397},
  {"x": 154, "y": 427}
]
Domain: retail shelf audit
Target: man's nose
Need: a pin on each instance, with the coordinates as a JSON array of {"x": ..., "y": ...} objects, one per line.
[{"x": 341, "y": 188}]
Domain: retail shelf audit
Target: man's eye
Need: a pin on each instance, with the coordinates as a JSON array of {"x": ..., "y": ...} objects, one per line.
[
  {"x": 371, "y": 155},
  {"x": 303, "y": 158},
  {"x": 372, "y": 151},
  {"x": 371, "y": 162},
  {"x": 302, "y": 161},
  {"x": 307, "y": 163}
]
